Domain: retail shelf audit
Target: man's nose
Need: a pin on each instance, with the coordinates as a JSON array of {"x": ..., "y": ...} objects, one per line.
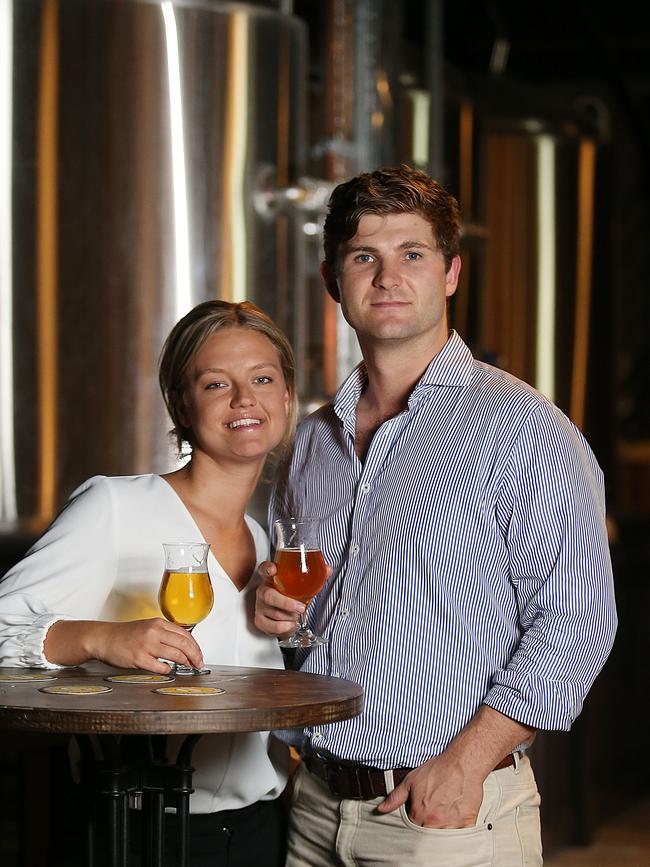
[{"x": 387, "y": 275}]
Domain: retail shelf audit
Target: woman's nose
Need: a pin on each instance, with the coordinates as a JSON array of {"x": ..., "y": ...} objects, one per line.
[{"x": 242, "y": 395}]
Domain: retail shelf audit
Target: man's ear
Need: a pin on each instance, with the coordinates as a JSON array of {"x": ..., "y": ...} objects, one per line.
[
  {"x": 451, "y": 280},
  {"x": 330, "y": 281}
]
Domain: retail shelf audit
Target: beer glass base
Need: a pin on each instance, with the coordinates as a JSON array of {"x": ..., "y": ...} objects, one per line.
[
  {"x": 303, "y": 638},
  {"x": 184, "y": 670}
]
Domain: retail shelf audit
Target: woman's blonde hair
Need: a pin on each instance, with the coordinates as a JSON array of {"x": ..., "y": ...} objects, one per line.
[{"x": 188, "y": 336}]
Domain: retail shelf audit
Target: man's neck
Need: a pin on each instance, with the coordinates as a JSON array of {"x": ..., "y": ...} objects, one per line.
[{"x": 393, "y": 371}]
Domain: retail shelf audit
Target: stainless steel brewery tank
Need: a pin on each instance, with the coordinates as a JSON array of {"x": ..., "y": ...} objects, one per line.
[
  {"x": 136, "y": 137},
  {"x": 527, "y": 182}
]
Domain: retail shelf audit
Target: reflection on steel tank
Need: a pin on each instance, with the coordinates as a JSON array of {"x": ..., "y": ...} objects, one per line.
[{"x": 137, "y": 139}]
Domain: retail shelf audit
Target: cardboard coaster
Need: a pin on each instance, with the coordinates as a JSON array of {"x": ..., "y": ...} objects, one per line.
[
  {"x": 189, "y": 690},
  {"x": 25, "y": 678},
  {"x": 77, "y": 690},
  {"x": 140, "y": 678}
]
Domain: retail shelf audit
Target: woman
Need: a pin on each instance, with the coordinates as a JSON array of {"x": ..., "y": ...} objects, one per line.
[{"x": 88, "y": 588}]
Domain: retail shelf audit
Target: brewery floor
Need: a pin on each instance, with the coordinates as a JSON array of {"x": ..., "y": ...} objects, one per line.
[{"x": 623, "y": 842}]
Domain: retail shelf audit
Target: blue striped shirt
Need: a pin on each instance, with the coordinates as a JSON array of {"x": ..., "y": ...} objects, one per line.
[{"x": 470, "y": 557}]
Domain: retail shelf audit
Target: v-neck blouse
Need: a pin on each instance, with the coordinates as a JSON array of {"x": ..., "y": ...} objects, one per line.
[{"x": 251, "y": 523}]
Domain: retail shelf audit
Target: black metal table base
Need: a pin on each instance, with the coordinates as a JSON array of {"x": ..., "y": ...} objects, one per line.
[{"x": 121, "y": 774}]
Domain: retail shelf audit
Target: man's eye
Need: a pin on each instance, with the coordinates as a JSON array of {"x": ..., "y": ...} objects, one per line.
[
  {"x": 413, "y": 255},
  {"x": 363, "y": 258}
]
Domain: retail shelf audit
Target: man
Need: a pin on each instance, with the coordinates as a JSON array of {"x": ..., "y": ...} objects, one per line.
[{"x": 471, "y": 596}]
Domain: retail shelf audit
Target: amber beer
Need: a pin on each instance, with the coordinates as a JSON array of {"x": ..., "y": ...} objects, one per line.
[
  {"x": 185, "y": 598},
  {"x": 301, "y": 573}
]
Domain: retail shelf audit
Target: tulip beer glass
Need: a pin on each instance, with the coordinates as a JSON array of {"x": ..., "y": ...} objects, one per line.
[
  {"x": 301, "y": 571},
  {"x": 185, "y": 595}
]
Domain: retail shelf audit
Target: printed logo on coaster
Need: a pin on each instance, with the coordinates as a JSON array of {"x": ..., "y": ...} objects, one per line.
[
  {"x": 77, "y": 690},
  {"x": 140, "y": 678},
  {"x": 25, "y": 678},
  {"x": 189, "y": 690}
]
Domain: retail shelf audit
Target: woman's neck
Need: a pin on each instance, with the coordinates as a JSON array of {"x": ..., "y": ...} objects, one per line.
[{"x": 222, "y": 491}]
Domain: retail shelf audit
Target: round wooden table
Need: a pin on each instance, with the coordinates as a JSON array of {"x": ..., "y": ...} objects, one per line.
[{"x": 253, "y": 699}]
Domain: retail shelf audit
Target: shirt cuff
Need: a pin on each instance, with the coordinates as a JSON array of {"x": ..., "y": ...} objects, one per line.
[
  {"x": 32, "y": 654},
  {"x": 551, "y": 707}
]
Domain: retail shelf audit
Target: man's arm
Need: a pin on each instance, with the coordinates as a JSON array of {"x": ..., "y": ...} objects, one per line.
[
  {"x": 551, "y": 509},
  {"x": 446, "y": 791},
  {"x": 552, "y": 513}
]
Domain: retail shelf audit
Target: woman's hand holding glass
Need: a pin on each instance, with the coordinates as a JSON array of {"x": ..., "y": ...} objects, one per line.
[{"x": 141, "y": 644}]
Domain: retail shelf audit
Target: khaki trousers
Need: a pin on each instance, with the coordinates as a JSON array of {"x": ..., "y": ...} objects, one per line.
[{"x": 326, "y": 831}]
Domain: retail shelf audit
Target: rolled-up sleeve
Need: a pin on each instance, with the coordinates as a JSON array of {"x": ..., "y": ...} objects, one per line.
[
  {"x": 67, "y": 574},
  {"x": 552, "y": 511}
]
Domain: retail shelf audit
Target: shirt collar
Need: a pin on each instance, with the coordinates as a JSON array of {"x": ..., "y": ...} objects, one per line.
[{"x": 452, "y": 366}]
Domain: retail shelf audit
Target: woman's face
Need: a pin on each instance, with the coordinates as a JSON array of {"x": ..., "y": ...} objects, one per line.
[{"x": 236, "y": 400}]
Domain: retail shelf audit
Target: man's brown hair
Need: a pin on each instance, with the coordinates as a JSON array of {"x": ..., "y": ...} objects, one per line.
[{"x": 391, "y": 191}]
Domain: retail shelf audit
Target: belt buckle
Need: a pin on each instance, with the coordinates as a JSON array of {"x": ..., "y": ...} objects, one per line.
[
  {"x": 326, "y": 769},
  {"x": 331, "y": 777},
  {"x": 335, "y": 773}
]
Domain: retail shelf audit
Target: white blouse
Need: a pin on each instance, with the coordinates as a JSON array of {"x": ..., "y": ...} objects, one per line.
[{"x": 102, "y": 559}]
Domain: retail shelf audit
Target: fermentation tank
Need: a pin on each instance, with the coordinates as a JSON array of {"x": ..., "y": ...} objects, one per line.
[
  {"x": 139, "y": 141},
  {"x": 529, "y": 181}
]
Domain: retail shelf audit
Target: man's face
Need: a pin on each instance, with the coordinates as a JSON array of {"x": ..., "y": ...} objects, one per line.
[{"x": 391, "y": 280}]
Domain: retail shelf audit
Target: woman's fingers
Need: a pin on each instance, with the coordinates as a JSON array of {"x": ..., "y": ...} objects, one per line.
[
  {"x": 177, "y": 644},
  {"x": 182, "y": 654},
  {"x": 143, "y": 643}
]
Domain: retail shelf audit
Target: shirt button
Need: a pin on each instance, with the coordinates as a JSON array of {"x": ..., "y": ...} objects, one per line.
[
  {"x": 317, "y": 737},
  {"x": 345, "y": 612},
  {"x": 354, "y": 549},
  {"x": 365, "y": 488}
]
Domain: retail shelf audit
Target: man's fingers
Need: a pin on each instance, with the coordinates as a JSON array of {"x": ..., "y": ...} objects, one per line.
[
  {"x": 267, "y": 570},
  {"x": 397, "y": 797},
  {"x": 272, "y": 602},
  {"x": 275, "y": 614},
  {"x": 277, "y": 621}
]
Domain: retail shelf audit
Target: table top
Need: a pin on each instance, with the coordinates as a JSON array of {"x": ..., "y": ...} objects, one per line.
[{"x": 254, "y": 699}]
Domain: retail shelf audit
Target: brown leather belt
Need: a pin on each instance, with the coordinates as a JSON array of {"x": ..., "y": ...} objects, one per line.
[{"x": 360, "y": 782}]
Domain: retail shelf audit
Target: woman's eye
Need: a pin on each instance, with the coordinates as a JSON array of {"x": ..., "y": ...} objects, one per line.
[
  {"x": 215, "y": 385},
  {"x": 263, "y": 380}
]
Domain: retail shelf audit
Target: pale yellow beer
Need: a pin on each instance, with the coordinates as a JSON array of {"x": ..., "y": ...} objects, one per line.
[{"x": 185, "y": 598}]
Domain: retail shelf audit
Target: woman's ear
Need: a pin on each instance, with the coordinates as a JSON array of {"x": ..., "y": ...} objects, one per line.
[{"x": 181, "y": 410}]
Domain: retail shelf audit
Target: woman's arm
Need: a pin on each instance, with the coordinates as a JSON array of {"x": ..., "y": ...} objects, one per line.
[
  {"x": 50, "y": 601},
  {"x": 136, "y": 644}
]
